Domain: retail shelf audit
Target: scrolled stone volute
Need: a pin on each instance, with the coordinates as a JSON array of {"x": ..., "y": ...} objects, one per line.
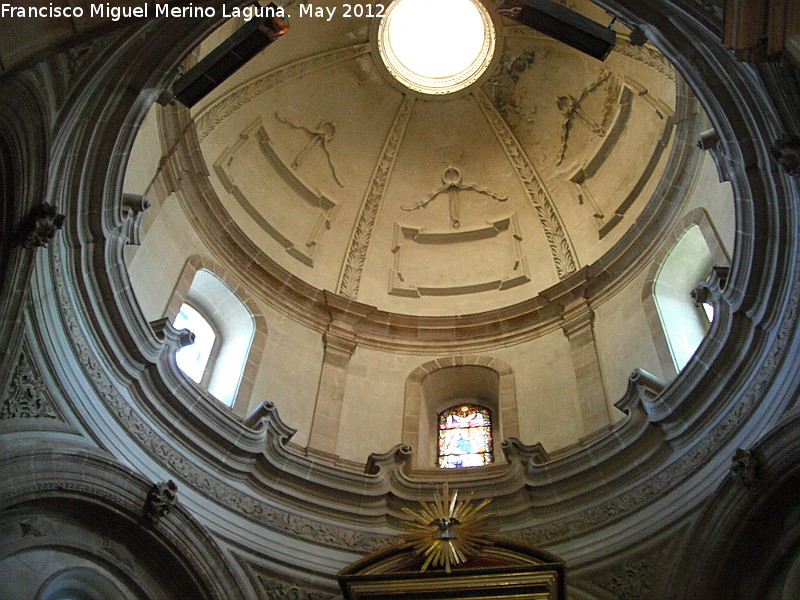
[
  {"x": 265, "y": 418},
  {"x": 135, "y": 203},
  {"x": 166, "y": 332},
  {"x": 516, "y": 451},
  {"x": 133, "y": 208},
  {"x": 649, "y": 385},
  {"x": 708, "y": 139},
  {"x": 263, "y": 412},
  {"x": 388, "y": 462},
  {"x": 711, "y": 291}
]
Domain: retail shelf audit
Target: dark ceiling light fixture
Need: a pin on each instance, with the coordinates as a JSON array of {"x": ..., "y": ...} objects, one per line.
[
  {"x": 561, "y": 23},
  {"x": 250, "y": 39}
]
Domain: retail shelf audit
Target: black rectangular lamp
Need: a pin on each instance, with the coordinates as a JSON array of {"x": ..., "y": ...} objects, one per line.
[
  {"x": 228, "y": 57},
  {"x": 561, "y": 23}
]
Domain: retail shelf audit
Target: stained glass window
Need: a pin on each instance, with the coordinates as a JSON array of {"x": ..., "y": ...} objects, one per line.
[{"x": 465, "y": 436}]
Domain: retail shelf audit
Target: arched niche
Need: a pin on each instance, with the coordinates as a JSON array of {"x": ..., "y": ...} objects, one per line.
[{"x": 442, "y": 383}]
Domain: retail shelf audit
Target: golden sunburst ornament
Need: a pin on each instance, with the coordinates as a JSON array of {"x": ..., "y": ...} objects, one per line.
[{"x": 447, "y": 531}]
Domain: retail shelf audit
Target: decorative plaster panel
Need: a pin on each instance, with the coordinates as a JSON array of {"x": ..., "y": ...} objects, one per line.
[
  {"x": 461, "y": 261},
  {"x": 297, "y": 216},
  {"x": 234, "y": 100}
]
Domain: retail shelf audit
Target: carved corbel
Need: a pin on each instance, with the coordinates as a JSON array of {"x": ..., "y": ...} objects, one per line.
[
  {"x": 746, "y": 467},
  {"x": 39, "y": 227},
  {"x": 710, "y": 291},
  {"x": 266, "y": 418},
  {"x": 637, "y": 37},
  {"x": 164, "y": 331},
  {"x": 515, "y": 451},
  {"x": 160, "y": 500},
  {"x": 133, "y": 207},
  {"x": 387, "y": 463},
  {"x": 708, "y": 139},
  {"x": 786, "y": 151}
]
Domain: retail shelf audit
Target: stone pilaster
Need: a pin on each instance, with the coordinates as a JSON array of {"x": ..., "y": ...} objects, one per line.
[
  {"x": 578, "y": 327},
  {"x": 339, "y": 341},
  {"x": 339, "y": 346}
]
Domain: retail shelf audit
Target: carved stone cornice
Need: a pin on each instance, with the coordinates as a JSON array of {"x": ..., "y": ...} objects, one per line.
[
  {"x": 391, "y": 331},
  {"x": 46, "y": 478},
  {"x": 194, "y": 475},
  {"x": 275, "y": 589},
  {"x": 638, "y": 578},
  {"x": 399, "y": 332},
  {"x": 741, "y": 524}
]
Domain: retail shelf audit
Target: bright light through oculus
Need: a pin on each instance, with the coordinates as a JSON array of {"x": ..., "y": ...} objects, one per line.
[{"x": 436, "y": 46}]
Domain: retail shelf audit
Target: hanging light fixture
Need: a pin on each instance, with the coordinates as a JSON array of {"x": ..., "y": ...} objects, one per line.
[
  {"x": 561, "y": 23},
  {"x": 232, "y": 54}
]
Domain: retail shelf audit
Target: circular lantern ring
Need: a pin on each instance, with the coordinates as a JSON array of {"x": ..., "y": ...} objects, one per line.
[{"x": 436, "y": 47}]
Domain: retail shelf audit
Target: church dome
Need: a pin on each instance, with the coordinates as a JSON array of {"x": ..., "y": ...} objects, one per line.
[
  {"x": 439, "y": 204},
  {"x": 525, "y": 214},
  {"x": 265, "y": 326}
]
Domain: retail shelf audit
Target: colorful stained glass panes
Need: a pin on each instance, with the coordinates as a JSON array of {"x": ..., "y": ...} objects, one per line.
[{"x": 465, "y": 436}]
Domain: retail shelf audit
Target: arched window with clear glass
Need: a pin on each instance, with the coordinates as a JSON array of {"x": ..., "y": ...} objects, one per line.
[
  {"x": 465, "y": 436},
  {"x": 685, "y": 323},
  {"x": 224, "y": 329},
  {"x": 192, "y": 360}
]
